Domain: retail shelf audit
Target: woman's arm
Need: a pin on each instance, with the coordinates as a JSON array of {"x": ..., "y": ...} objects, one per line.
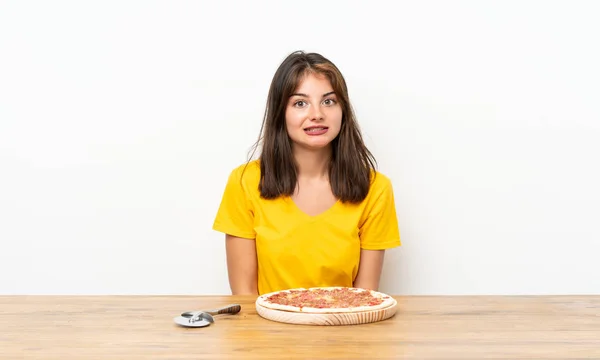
[
  {"x": 242, "y": 267},
  {"x": 369, "y": 269}
]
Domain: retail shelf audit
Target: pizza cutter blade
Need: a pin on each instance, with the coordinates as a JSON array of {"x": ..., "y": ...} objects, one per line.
[
  {"x": 194, "y": 319},
  {"x": 185, "y": 321}
]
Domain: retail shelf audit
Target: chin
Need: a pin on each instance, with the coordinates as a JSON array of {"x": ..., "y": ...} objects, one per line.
[{"x": 315, "y": 146}]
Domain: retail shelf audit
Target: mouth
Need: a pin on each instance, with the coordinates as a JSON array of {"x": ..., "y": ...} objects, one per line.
[{"x": 316, "y": 130}]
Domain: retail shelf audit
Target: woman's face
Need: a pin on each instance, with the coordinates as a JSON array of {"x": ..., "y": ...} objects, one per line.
[{"x": 313, "y": 115}]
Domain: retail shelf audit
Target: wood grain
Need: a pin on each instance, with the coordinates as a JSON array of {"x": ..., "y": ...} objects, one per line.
[
  {"x": 141, "y": 327},
  {"x": 350, "y": 318}
]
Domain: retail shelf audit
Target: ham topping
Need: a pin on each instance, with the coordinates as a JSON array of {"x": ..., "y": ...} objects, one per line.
[{"x": 322, "y": 298}]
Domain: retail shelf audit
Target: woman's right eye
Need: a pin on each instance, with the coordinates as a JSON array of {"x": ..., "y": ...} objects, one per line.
[{"x": 300, "y": 103}]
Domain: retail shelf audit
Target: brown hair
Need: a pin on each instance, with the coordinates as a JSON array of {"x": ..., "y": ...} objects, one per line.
[{"x": 351, "y": 161}]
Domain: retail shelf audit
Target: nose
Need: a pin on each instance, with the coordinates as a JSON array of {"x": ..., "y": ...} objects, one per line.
[{"x": 315, "y": 113}]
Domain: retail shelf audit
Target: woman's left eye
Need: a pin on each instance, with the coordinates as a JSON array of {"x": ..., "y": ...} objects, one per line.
[{"x": 329, "y": 102}]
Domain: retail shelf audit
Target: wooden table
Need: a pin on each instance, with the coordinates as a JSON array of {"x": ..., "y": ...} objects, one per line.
[{"x": 142, "y": 327}]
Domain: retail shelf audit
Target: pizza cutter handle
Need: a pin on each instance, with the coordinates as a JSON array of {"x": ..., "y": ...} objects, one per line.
[{"x": 229, "y": 309}]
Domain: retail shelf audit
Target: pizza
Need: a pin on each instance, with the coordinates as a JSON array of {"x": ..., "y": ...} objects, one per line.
[{"x": 325, "y": 300}]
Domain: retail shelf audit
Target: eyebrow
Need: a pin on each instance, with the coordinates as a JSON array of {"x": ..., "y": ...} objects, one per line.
[{"x": 300, "y": 94}]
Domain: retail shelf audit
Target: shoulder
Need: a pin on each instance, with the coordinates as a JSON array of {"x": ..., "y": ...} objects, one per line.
[
  {"x": 246, "y": 175},
  {"x": 380, "y": 191},
  {"x": 380, "y": 184},
  {"x": 250, "y": 169}
]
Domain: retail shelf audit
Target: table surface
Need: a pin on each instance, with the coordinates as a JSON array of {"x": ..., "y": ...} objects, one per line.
[{"x": 425, "y": 327}]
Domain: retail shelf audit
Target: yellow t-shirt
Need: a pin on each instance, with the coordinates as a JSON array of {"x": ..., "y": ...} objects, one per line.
[{"x": 297, "y": 250}]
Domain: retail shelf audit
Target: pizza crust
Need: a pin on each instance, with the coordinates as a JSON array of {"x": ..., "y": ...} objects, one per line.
[{"x": 388, "y": 301}]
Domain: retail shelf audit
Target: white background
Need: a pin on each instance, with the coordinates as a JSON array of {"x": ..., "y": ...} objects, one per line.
[{"x": 121, "y": 120}]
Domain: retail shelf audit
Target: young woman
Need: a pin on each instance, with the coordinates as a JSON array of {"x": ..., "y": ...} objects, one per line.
[{"x": 311, "y": 210}]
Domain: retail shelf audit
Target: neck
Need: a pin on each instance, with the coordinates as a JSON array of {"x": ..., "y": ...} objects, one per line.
[{"x": 311, "y": 163}]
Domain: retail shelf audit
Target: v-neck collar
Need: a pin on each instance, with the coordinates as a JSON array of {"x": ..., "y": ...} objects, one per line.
[{"x": 297, "y": 209}]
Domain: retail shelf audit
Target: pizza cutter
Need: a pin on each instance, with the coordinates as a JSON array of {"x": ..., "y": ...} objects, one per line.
[{"x": 203, "y": 318}]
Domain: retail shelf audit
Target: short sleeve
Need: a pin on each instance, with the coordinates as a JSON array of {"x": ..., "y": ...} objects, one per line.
[
  {"x": 379, "y": 230},
  {"x": 235, "y": 215}
]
